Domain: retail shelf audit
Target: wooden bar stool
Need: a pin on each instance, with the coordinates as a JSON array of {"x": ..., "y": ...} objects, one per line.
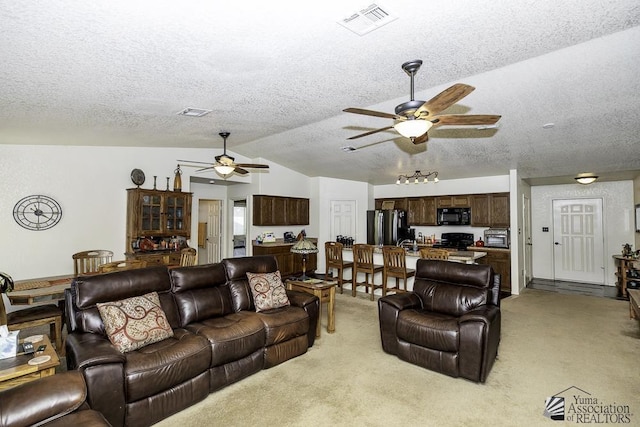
[
  {"x": 333, "y": 259},
  {"x": 431, "y": 253},
  {"x": 363, "y": 263},
  {"x": 395, "y": 265}
]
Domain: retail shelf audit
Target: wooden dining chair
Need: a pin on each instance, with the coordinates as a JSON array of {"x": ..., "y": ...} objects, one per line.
[
  {"x": 395, "y": 265},
  {"x": 434, "y": 253},
  {"x": 129, "y": 264},
  {"x": 33, "y": 317},
  {"x": 188, "y": 257},
  {"x": 333, "y": 260},
  {"x": 363, "y": 263},
  {"x": 87, "y": 262}
]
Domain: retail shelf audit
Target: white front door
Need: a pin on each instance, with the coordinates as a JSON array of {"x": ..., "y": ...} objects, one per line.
[
  {"x": 343, "y": 218},
  {"x": 578, "y": 240}
]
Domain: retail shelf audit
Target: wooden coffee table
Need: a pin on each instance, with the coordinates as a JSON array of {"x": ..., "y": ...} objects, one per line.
[
  {"x": 17, "y": 370},
  {"x": 326, "y": 292}
]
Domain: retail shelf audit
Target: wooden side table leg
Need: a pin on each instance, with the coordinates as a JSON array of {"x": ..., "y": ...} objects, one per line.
[
  {"x": 331, "y": 321},
  {"x": 318, "y": 293}
]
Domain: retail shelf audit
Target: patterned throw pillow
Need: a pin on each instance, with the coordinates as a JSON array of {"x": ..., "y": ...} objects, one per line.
[
  {"x": 135, "y": 322},
  {"x": 268, "y": 290}
]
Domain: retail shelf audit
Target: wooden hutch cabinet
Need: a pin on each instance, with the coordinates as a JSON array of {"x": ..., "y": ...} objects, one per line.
[{"x": 157, "y": 218}]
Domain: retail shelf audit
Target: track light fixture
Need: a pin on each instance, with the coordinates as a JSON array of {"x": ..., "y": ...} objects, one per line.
[{"x": 417, "y": 177}]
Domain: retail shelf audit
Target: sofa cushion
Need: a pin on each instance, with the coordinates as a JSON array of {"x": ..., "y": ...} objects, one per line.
[
  {"x": 267, "y": 290},
  {"x": 429, "y": 329},
  {"x": 284, "y": 323},
  {"x": 160, "y": 366},
  {"x": 135, "y": 322},
  {"x": 231, "y": 337}
]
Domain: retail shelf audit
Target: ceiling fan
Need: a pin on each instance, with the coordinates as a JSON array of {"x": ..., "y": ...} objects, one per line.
[
  {"x": 224, "y": 164},
  {"x": 414, "y": 118}
]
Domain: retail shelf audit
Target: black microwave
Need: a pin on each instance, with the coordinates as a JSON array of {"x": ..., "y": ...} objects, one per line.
[{"x": 454, "y": 216}]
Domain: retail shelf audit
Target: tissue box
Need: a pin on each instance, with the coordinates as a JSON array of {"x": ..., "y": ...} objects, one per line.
[{"x": 9, "y": 345}]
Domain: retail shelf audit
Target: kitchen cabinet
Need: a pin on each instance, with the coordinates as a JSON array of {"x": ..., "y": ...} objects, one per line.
[
  {"x": 499, "y": 205},
  {"x": 480, "y": 213},
  {"x": 289, "y": 264},
  {"x": 398, "y": 203},
  {"x": 421, "y": 211},
  {"x": 159, "y": 216},
  {"x": 278, "y": 210},
  {"x": 456, "y": 201},
  {"x": 500, "y": 260}
]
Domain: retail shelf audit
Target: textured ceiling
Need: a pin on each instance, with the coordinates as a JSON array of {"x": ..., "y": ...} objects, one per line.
[{"x": 278, "y": 74}]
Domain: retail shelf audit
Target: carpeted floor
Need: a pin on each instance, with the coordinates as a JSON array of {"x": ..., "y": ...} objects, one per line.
[{"x": 550, "y": 343}]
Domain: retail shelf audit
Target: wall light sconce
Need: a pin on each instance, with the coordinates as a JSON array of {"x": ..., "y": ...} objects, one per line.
[
  {"x": 586, "y": 179},
  {"x": 417, "y": 177}
]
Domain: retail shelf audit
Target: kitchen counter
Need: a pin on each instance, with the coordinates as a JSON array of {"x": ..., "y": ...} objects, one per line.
[
  {"x": 487, "y": 249},
  {"x": 468, "y": 257}
]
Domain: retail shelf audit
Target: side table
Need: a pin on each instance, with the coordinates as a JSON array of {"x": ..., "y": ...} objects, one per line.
[
  {"x": 326, "y": 292},
  {"x": 17, "y": 370}
]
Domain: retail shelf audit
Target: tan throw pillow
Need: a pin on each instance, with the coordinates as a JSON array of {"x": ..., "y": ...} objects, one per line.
[
  {"x": 268, "y": 290},
  {"x": 135, "y": 322}
]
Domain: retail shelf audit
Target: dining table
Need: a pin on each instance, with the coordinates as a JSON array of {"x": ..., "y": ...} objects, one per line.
[{"x": 39, "y": 290}]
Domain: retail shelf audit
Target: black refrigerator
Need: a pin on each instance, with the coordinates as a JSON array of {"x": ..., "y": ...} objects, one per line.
[{"x": 387, "y": 227}]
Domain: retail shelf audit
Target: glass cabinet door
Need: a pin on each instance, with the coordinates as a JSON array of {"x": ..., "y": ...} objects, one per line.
[
  {"x": 151, "y": 215},
  {"x": 175, "y": 214}
]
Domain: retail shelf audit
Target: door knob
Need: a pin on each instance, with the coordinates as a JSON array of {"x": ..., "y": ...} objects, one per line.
[{"x": 556, "y": 243}]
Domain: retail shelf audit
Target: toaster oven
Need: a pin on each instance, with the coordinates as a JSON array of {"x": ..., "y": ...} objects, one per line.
[{"x": 496, "y": 238}]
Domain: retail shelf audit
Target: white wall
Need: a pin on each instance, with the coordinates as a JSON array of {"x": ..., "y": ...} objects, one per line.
[{"x": 618, "y": 221}]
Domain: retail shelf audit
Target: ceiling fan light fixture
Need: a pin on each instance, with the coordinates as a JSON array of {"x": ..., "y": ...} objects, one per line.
[
  {"x": 224, "y": 170},
  {"x": 586, "y": 179},
  {"x": 413, "y": 128}
]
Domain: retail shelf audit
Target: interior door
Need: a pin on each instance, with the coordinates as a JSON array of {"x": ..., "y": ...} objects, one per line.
[
  {"x": 214, "y": 227},
  {"x": 343, "y": 218},
  {"x": 578, "y": 240},
  {"x": 528, "y": 255}
]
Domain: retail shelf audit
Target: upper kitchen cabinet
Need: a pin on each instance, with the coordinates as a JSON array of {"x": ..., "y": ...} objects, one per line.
[
  {"x": 456, "y": 201},
  {"x": 278, "y": 210},
  {"x": 500, "y": 213},
  {"x": 490, "y": 210},
  {"x": 398, "y": 203},
  {"x": 480, "y": 212},
  {"x": 421, "y": 211}
]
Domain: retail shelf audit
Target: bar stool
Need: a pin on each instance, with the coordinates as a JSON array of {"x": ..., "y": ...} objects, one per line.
[
  {"x": 395, "y": 266},
  {"x": 333, "y": 259},
  {"x": 431, "y": 253},
  {"x": 363, "y": 263}
]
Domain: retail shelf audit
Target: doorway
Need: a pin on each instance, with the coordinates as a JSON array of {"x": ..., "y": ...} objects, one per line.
[
  {"x": 239, "y": 228},
  {"x": 209, "y": 231},
  {"x": 578, "y": 240},
  {"x": 343, "y": 218},
  {"x": 528, "y": 256}
]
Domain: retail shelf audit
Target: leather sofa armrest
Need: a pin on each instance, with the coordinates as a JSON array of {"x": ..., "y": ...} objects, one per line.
[
  {"x": 479, "y": 341},
  {"x": 85, "y": 350},
  {"x": 310, "y": 304},
  {"x": 485, "y": 313},
  {"x": 43, "y": 400},
  {"x": 389, "y": 308}
]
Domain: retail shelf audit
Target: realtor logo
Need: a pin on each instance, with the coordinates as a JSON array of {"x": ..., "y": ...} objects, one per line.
[{"x": 583, "y": 408}]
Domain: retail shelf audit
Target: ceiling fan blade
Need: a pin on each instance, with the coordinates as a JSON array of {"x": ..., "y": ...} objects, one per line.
[
  {"x": 371, "y": 113},
  {"x": 465, "y": 119},
  {"x": 444, "y": 99},
  {"x": 252, "y": 165},
  {"x": 421, "y": 139},
  {"x": 193, "y": 161},
  {"x": 371, "y": 132},
  {"x": 205, "y": 169},
  {"x": 241, "y": 171}
]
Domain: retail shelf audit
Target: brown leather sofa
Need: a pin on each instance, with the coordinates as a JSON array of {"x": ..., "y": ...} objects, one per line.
[
  {"x": 218, "y": 339},
  {"x": 450, "y": 323},
  {"x": 58, "y": 400}
]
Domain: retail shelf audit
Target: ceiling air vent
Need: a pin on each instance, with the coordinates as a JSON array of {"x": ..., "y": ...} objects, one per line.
[
  {"x": 368, "y": 19},
  {"x": 194, "y": 112}
]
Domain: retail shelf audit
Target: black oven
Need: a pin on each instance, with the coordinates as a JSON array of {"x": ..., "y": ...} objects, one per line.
[{"x": 454, "y": 216}]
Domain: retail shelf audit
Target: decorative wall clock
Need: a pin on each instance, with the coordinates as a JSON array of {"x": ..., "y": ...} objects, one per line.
[
  {"x": 137, "y": 176},
  {"x": 37, "y": 212}
]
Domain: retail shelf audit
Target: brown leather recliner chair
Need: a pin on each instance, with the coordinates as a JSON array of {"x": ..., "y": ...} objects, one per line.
[
  {"x": 449, "y": 323},
  {"x": 58, "y": 400}
]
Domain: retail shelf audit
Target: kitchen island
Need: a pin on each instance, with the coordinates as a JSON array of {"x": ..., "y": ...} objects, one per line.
[{"x": 467, "y": 257}]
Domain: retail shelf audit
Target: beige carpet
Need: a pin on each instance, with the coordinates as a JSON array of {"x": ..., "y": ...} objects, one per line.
[{"x": 550, "y": 342}]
